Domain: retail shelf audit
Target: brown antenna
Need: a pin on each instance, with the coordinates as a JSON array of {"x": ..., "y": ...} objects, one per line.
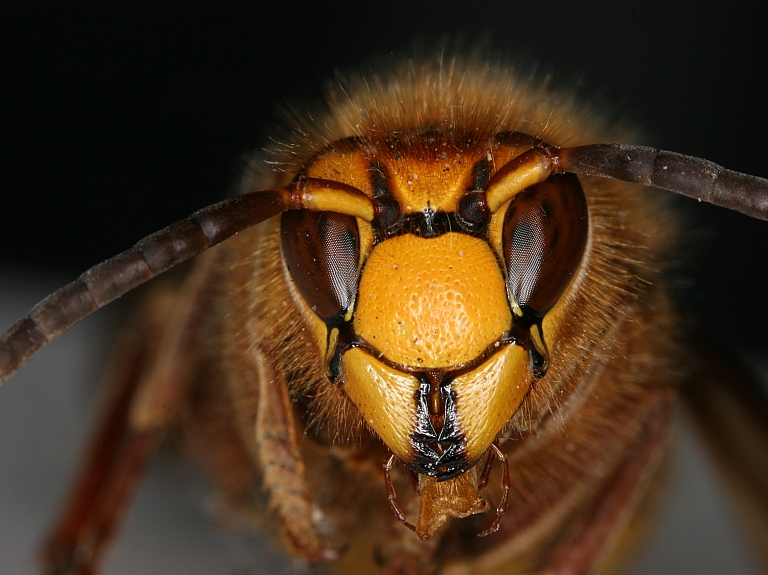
[
  {"x": 693, "y": 177},
  {"x": 158, "y": 252}
]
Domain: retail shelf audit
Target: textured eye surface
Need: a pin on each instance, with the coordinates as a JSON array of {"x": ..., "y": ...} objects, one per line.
[
  {"x": 321, "y": 250},
  {"x": 545, "y": 231}
]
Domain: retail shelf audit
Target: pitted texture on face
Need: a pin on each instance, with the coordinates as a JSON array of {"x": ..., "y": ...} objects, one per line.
[{"x": 432, "y": 303}]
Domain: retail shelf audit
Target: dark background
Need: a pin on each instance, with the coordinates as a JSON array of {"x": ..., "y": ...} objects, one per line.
[{"x": 117, "y": 121}]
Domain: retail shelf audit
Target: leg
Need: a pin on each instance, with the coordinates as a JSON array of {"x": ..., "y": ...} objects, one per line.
[
  {"x": 111, "y": 470},
  {"x": 282, "y": 465},
  {"x": 392, "y": 496},
  {"x": 502, "y": 508},
  {"x": 150, "y": 381},
  {"x": 613, "y": 507}
]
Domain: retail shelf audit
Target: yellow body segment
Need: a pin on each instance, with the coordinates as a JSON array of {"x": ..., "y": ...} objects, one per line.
[
  {"x": 487, "y": 397},
  {"x": 433, "y": 303},
  {"x": 384, "y": 397}
]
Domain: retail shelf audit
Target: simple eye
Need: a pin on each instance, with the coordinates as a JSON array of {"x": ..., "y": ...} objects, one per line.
[
  {"x": 321, "y": 250},
  {"x": 545, "y": 231}
]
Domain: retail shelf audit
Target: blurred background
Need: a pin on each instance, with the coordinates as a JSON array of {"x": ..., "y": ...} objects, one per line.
[{"x": 118, "y": 120}]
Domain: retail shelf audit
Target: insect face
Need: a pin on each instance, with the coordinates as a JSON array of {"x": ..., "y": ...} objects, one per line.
[{"x": 431, "y": 316}]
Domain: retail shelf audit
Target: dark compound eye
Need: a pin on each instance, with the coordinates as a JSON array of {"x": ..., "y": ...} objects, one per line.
[
  {"x": 545, "y": 231},
  {"x": 321, "y": 250}
]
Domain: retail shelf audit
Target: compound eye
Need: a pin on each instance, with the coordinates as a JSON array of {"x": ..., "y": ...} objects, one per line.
[
  {"x": 321, "y": 251},
  {"x": 545, "y": 231}
]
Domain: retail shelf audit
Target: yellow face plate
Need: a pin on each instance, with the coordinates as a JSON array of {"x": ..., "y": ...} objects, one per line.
[
  {"x": 487, "y": 396},
  {"x": 432, "y": 303},
  {"x": 384, "y": 397}
]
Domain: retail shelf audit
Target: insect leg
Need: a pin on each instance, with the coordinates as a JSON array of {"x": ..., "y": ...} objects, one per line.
[
  {"x": 502, "y": 508},
  {"x": 110, "y": 473},
  {"x": 282, "y": 465},
  {"x": 398, "y": 552},
  {"x": 613, "y": 506},
  {"x": 486, "y": 474},
  {"x": 150, "y": 383},
  {"x": 392, "y": 496}
]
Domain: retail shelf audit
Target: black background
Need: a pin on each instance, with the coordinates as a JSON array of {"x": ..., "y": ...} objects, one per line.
[{"x": 116, "y": 121}]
